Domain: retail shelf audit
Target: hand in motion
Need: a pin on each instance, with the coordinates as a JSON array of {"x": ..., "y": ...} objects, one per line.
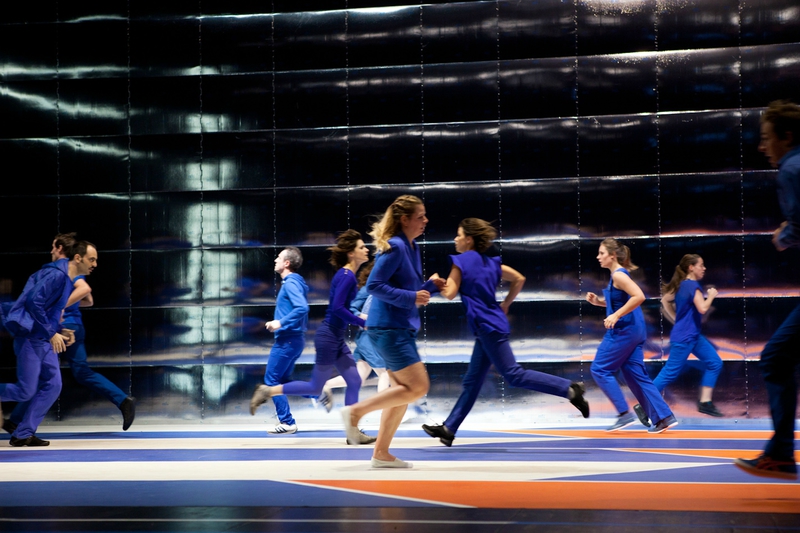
[
  {"x": 504, "y": 306},
  {"x": 712, "y": 292},
  {"x": 273, "y": 325},
  {"x": 423, "y": 297},
  {"x": 69, "y": 335},
  {"x": 592, "y": 298},
  {"x": 610, "y": 320},
  {"x": 57, "y": 342},
  {"x": 439, "y": 282}
]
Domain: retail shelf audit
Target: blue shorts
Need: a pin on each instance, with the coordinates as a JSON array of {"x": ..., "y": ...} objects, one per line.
[
  {"x": 365, "y": 351},
  {"x": 397, "y": 346}
]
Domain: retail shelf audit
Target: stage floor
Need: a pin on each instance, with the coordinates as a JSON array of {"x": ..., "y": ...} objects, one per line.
[{"x": 237, "y": 478}]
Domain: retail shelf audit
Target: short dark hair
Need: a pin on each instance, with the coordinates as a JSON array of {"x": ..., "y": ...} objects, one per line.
[
  {"x": 294, "y": 256},
  {"x": 65, "y": 241},
  {"x": 79, "y": 248},
  {"x": 482, "y": 233},
  {"x": 785, "y": 118}
]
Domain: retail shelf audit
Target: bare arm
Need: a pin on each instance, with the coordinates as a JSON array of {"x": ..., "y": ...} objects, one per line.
[
  {"x": 704, "y": 304},
  {"x": 624, "y": 283},
  {"x": 453, "y": 283},
  {"x": 517, "y": 282},
  {"x": 80, "y": 291},
  {"x": 668, "y": 306}
]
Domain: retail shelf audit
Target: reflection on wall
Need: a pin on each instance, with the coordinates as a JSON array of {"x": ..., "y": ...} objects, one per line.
[{"x": 192, "y": 146}]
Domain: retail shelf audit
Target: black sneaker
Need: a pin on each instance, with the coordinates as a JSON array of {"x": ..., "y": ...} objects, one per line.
[
  {"x": 128, "y": 409},
  {"x": 9, "y": 426},
  {"x": 444, "y": 435},
  {"x": 33, "y": 440},
  {"x": 766, "y": 466},
  {"x": 639, "y": 410},
  {"x": 664, "y": 425},
  {"x": 578, "y": 400},
  {"x": 708, "y": 408}
]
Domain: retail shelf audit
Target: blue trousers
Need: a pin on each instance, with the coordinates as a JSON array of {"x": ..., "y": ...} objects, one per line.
[
  {"x": 332, "y": 352},
  {"x": 38, "y": 382},
  {"x": 76, "y": 356},
  {"x": 779, "y": 360},
  {"x": 280, "y": 366},
  {"x": 679, "y": 353},
  {"x": 495, "y": 349},
  {"x": 622, "y": 350}
]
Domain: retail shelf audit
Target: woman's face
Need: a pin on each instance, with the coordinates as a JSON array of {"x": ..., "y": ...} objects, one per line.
[
  {"x": 604, "y": 258},
  {"x": 414, "y": 225},
  {"x": 698, "y": 269},
  {"x": 463, "y": 243},
  {"x": 360, "y": 253}
]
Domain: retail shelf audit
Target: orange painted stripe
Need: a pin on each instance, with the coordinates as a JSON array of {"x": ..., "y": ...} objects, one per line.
[
  {"x": 720, "y": 454},
  {"x": 720, "y": 497},
  {"x": 639, "y": 433}
]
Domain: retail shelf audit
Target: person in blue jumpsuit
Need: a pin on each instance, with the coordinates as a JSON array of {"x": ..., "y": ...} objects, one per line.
[
  {"x": 348, "y": 255},
  {"x": 366, "y": 356},
  {"x": 475, "y": 276},
  {"x": 289, "y": 324},
  {"x": 780, "y": 142},
  {"x": 684, "y": 303},
  {"x": 398, "y": 289},
  {"x": 75, "y": 354},
  {"x": 621, "y": 347},
  {"x": 34, "y": 320}
]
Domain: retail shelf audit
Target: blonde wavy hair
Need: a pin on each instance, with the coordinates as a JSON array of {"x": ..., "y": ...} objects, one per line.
[{"x": 389, "y": 224}]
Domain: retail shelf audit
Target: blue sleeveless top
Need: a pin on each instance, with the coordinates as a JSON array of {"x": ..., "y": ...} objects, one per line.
[
  {"x": 615, "y": 299},
  {"x": 687, "y": 317},
  {"x": 480, "y": 275}
]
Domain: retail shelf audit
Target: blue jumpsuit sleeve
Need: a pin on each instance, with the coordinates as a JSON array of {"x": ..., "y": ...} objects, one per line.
[
  {"x": 297, "y": 297},
  {"x": 378, "y": 283},
  {"x": 357, "y": 303},
  {"x": 789, "y": 199},
  {"x": 339, "y": 304},
  {"x": 42, "y": 297}
]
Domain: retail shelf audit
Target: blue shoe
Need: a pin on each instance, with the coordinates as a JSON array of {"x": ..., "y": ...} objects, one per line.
[
  {"x": 624, "y": 420},
  {"x": 664, "y": 425}
]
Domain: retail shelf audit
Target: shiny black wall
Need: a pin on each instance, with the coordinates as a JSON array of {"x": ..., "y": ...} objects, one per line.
[{"x": 192, "y": 140}]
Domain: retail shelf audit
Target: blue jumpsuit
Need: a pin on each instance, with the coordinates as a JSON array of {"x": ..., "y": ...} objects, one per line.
[
  {"x": 621, "y": 349},
  {"x": 332, "y": 350},
  {"x": 291, "y": 309},
  {"x": 685, "y": 339},
  {"x": 781, "y": 356},
  {"x": 480, "y": 275},
  {"x": 76, "y": 355},
  {"x": 33, "y": 320}
]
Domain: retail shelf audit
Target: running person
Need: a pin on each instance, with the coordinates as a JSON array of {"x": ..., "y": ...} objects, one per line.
[
  {"x": 347, "y": 255},
  {"x": 397, "y": 286},
  {"x": 621, "y": 348},
  {"x": 475, "y": 276},
  {"x": 683, "y": 301}
]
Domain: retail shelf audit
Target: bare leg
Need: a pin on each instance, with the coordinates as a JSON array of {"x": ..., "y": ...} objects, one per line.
[
  {"x": 408, "y": 385},
  {"x": 383, "y": 378},
  {"x": 364, "y": 370},
  {"x": 705, "y": 394}
]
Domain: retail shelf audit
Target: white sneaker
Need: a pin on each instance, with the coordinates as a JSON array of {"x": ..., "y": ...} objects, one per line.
[
  {"x": 283, "y": 429},
  {"x": 325, "y": 399}
]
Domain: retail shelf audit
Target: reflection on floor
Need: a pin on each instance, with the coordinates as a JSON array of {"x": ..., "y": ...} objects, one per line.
[{"x": 213, "y": 478}]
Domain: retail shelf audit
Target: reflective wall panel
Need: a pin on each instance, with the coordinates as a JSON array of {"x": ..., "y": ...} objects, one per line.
[{"x": 201, "y": 138}]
